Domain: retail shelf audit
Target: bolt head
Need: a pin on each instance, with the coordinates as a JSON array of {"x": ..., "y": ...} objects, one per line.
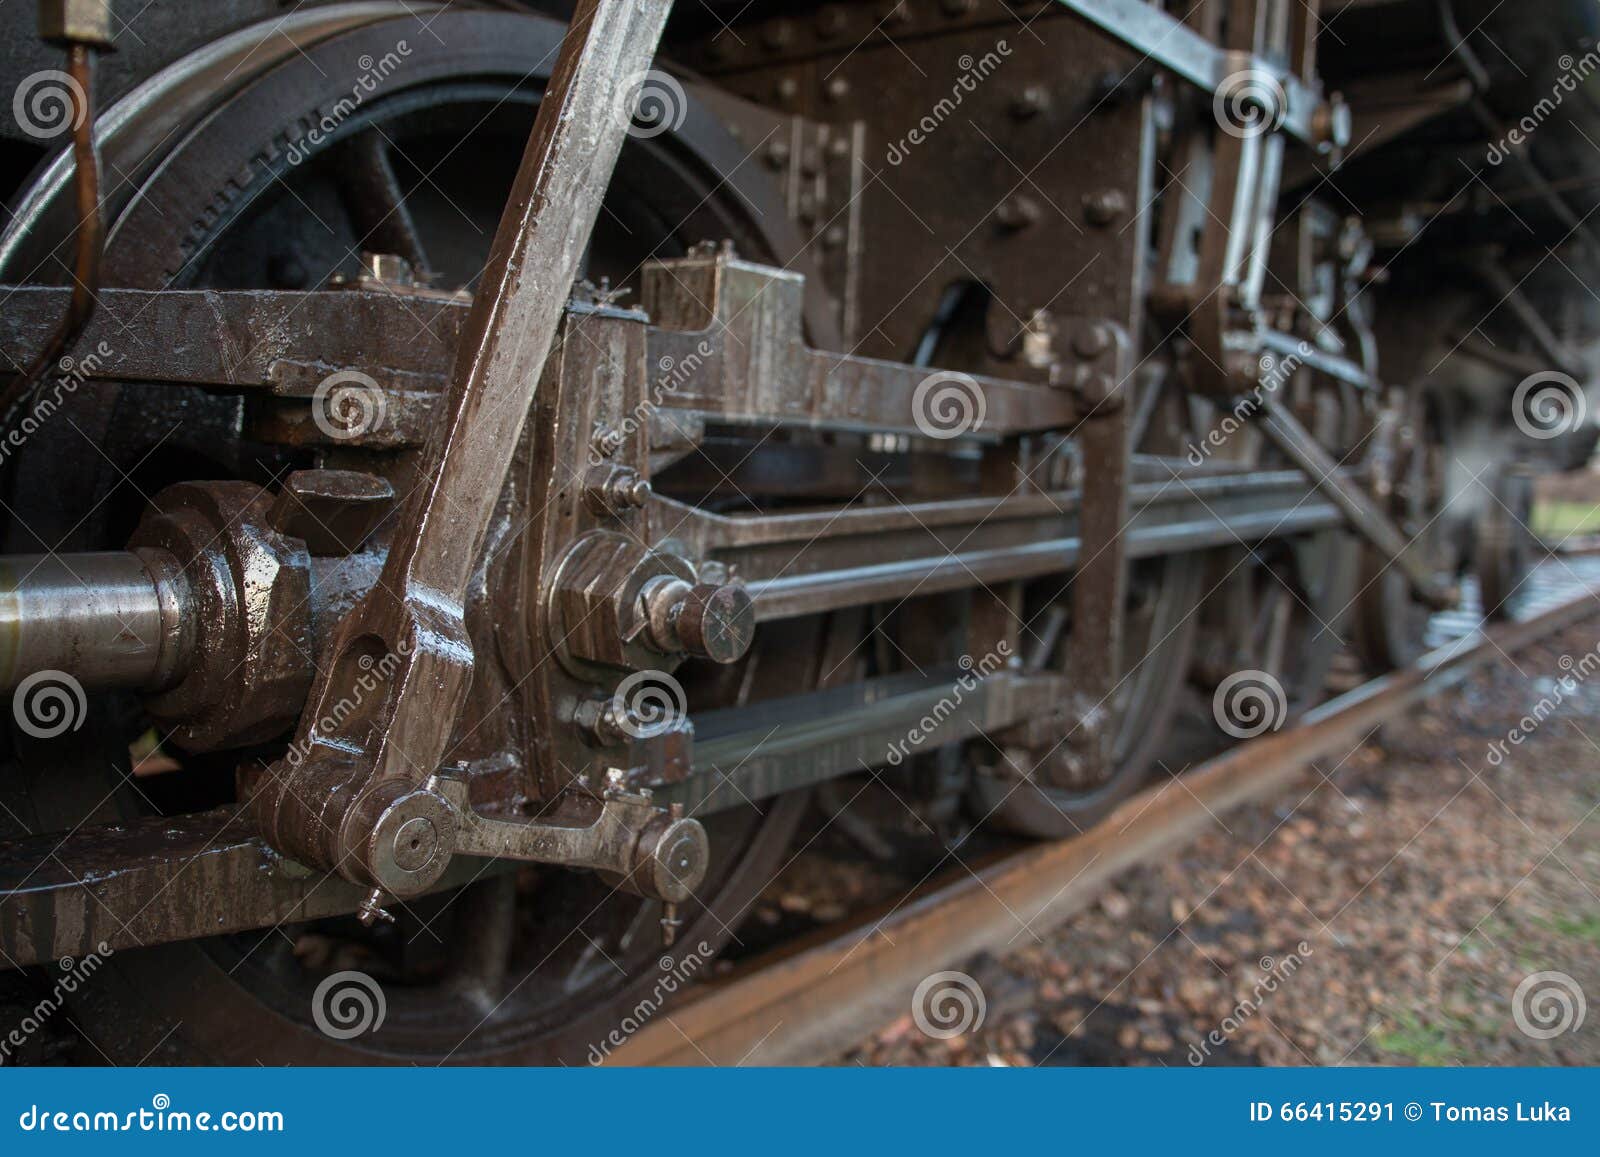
[
  {"x": 410, "y": 841},
  {"x": 671, "y": 860},
  {"x": 717, "y": 622}
]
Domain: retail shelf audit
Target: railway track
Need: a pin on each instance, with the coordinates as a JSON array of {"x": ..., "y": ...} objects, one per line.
[{"x": 809, "y": 1001}]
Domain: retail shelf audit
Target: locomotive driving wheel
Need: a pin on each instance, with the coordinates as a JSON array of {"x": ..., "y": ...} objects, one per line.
[
  {"x": 1058, "y": 794},
  {"x": 526, "y": 964}
]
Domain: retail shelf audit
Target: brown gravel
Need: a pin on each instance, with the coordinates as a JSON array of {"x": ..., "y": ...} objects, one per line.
[{"x": 1384, "y": 911}]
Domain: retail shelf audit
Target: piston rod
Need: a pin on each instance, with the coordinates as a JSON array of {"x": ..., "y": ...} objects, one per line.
[{"x": 111, "y": 619}]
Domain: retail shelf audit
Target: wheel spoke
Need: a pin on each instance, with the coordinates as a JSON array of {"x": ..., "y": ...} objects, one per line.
[{"x": 372, "y": 196}]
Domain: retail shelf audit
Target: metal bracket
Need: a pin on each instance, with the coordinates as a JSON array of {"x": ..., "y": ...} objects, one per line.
[
  {"x": 1099, "y": 586},
  {"x": 650, "y": 850}
]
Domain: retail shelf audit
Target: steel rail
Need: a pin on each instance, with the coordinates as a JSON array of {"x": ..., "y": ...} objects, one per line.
[{"x": 814, "y": 1000}]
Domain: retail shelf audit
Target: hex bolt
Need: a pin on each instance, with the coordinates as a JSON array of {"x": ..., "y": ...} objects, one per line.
[
  {"x": 836, "y": 89},
  {"x": 605, "y": 724},
  {"x": 616, "y": 489},
  {"x": 388, "y": 269},
  {"x": 778, "y": 154}
]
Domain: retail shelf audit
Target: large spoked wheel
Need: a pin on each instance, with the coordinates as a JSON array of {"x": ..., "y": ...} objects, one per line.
[
  {"x": 1271, "y": 630},
  {"x": 1062, "y": 797},
  {"x": 524, "y": 965}
]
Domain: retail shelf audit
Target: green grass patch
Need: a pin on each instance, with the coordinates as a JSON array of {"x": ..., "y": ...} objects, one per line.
[
  {"x": 1556, "y": 520},
  {"x": 1422, "y": 1044},
  {"x": 1585, "y": 927}
]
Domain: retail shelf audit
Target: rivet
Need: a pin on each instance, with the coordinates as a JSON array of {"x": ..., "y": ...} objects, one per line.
[{"x": 1104, "y": 206}]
